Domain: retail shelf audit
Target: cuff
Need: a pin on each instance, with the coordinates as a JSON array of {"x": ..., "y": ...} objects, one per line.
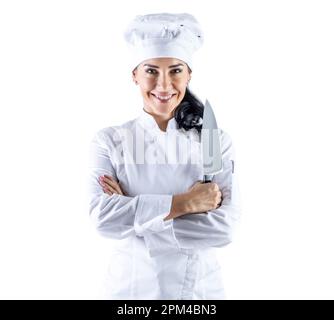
[
  {"x": 152, "y": 209},
  {"x": 159, "y": 235}
]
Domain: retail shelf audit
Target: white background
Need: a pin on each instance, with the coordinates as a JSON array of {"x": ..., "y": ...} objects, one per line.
[{"x": 267, "y": 68}]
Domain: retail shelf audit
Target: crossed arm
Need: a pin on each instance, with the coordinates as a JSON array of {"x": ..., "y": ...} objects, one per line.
[
  {"x": 199, "y": 199},
  {"x": 168, "y": 222}
]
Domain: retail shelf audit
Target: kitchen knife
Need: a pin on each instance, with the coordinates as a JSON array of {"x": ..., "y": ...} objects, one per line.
[{"x": 210, "y": 143}]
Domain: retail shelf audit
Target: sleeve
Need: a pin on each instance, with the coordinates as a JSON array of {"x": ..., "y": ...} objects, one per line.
[
  {"x": 119, "y": 216},
  {"x": 214, "y": 228}
]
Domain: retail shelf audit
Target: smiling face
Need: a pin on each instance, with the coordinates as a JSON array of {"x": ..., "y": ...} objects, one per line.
[{"x": 162, "y": 83}]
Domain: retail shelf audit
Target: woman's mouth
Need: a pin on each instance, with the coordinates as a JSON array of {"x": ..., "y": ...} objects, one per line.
[{"x": 163, "y": 99}]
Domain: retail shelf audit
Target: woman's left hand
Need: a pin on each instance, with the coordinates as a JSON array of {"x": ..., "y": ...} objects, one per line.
[{"x": 109, "y": 185}]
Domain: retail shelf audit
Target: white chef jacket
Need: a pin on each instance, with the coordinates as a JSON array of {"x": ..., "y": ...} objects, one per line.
[{"x": 152, "y": 258}]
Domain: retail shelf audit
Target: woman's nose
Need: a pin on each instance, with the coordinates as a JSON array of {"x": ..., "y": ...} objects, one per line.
[{"x": 164, "y": 82}]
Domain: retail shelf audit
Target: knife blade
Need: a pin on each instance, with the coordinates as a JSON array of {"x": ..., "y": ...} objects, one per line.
[{"x": 210, "y": 143}]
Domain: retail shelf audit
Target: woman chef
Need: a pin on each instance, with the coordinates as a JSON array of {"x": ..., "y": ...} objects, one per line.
[{"x": 145, "y": 183}]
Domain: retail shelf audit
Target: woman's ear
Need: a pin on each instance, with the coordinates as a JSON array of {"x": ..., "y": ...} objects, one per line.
[
  {"x": 190, "y": 72},
  {"x": 134, "y": 76}
]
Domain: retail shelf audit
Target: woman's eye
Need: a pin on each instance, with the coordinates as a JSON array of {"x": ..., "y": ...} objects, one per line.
[
  {"x": 151, "y": 71},
  {"x": 177, "y": 70}
]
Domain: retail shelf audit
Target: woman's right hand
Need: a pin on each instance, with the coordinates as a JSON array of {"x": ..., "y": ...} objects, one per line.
[
  {"x": 204, "y": 197},
  {"x": 201, "y": 197}
]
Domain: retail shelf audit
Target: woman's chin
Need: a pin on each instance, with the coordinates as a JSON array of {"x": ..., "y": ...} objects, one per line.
[{"x": 162, "y": 109}]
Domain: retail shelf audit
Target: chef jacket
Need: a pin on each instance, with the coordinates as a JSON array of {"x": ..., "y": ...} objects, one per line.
[{"x": 152, "y": 258}]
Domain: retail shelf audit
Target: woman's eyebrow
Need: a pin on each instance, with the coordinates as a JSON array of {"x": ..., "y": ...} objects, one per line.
[{"x": 173, "y": 66}]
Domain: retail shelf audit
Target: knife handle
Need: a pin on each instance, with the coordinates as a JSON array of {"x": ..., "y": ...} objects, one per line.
[{"x": 207, "y": 178}]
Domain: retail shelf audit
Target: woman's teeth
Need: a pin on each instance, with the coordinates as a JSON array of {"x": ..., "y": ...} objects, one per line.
[{"x": 163, "y": 98}]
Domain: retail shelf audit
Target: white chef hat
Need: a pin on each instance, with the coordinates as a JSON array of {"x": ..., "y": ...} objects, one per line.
[{"x": 176, "y": 35}]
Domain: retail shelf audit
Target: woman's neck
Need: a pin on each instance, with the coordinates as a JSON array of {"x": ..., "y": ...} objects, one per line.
[{"x": 162, "y": 120}]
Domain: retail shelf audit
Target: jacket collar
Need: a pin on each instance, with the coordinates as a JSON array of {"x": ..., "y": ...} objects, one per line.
[{"x": 148, "y": 122}]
